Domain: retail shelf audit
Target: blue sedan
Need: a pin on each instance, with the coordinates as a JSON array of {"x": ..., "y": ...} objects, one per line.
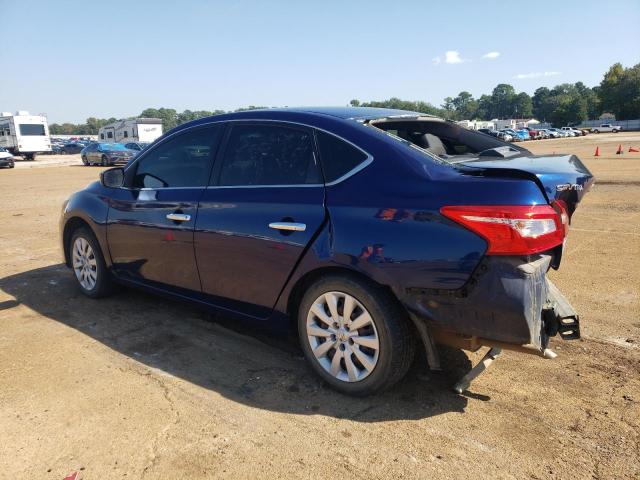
[{"x": 368, "y": 231}]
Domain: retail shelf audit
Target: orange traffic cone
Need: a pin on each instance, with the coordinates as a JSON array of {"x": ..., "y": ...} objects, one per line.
[
  {"x": 619, "y": 152},
  {"x": 597, "y": 154},
  {"x": 633, "y": 150}
]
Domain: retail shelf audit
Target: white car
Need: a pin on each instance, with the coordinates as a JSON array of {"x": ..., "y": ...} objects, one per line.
[
  {"x": 575, "y": 131},
  {"x": 6, "y": 158},
  {"x": 606, "y": 127}
]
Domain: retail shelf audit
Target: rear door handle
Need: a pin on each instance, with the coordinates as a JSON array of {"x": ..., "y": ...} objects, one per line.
[
  {"x": 178, "y": 217},
  {"x": 289, "y": 226}
]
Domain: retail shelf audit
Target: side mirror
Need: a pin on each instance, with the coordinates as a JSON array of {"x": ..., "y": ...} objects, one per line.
[{"x": 112, "y": 178}]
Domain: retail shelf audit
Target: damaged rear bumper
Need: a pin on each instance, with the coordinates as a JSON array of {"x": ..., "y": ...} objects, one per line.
[{"x": 508, "y": 301}]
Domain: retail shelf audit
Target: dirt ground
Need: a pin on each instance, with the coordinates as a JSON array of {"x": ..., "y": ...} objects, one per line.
[{"x": 135, "y": 386}]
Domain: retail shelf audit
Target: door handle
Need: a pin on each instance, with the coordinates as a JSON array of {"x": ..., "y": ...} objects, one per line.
[
  {"x": 289, "y": 226},
  {"x": 178, "y": 217}
]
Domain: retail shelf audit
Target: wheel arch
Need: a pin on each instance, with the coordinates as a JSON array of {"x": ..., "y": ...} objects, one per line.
[
  {"x": 309, "y": 278},
  {"x": 70, "y": 226}
]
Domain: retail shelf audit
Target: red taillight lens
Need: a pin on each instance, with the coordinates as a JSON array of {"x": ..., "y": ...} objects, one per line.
[{"x": 511, "y": 229}]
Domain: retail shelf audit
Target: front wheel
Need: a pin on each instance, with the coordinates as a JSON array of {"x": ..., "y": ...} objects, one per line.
[
  {"x": 354, "y": 334},
  {"x": 84, "y": 160},
  {"x": 88, "y": 264},
  {"x": 105, "y": 161}
]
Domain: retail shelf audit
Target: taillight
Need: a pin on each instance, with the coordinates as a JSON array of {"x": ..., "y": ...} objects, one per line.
[
  {"x": 511, "y": 229},
  {"x": 560, "y": 206}
]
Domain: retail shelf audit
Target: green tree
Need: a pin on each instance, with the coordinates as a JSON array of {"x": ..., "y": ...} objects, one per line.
[
  {"x": 466, "y": 106},
  {"x": 502, "y": 99},
  {"x": 523, "y": 108}
]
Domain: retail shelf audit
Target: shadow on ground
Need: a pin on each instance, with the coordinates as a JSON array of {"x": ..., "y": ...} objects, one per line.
[{"x": 260, "y": 369}]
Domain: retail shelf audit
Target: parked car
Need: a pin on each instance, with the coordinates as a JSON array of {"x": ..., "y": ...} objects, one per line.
[
  {"x": 370, "y": 230},
  {"x": 607, "y": 127},
  {"x": 72, "y": 148},
  {"x": 575, "y": 131},
  {"x": 534, "y": 134},
  {"x": 137, "y": 146},
  {"x": 559, "y": 133},
  {"x": 6, "y": 158},
  {"x": 106, "y": 154},
  {"x": 517, "y": 136},
  {"x": 505, "y": 137},
  {"x": 524, "y": 133},
  {"x": 551, "y": 133}
]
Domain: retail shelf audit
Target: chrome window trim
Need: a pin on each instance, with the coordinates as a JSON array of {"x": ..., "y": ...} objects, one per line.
[{"x": 364, "y": 164}]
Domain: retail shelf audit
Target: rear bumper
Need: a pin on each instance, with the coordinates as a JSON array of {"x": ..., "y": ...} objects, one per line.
[
  {"x": 508, "y": 299},
  {"x": 6, "y": 162}
]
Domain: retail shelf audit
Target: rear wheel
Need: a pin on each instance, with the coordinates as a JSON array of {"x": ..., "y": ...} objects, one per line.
[
  {"x": 354, "y": 335},
  {"x": 88, "y": 264},
  {"x": 105, "y": 161},
  {"x": 84, "y": 160}
]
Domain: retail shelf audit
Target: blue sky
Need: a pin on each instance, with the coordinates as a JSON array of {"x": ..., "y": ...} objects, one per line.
[{"x": 75, "y": 59}]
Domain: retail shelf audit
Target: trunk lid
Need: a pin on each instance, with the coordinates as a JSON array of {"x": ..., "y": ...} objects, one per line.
[{"x": 560, "y": 177}]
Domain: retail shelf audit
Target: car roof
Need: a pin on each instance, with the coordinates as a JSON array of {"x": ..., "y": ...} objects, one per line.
[
  {"x": 308, "y": 114},
  {"x": 352, "y": 113}
]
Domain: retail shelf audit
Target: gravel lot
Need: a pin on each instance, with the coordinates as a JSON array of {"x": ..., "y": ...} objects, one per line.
[{"x": 135, "y": 386}]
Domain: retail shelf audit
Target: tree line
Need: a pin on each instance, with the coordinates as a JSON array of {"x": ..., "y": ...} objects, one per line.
[{"x": 564, "y": 104}]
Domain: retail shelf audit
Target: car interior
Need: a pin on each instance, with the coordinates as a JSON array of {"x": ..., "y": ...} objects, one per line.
[{"x": 445, "y": 139}]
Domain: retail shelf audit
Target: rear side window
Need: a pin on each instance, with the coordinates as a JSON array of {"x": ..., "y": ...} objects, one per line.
[
  {"x": 183, "y": 161},
  {"x": 337, "y": 156},
  {"x": 268, "y": 155}
]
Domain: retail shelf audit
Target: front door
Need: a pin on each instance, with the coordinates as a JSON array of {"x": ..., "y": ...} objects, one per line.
[
  {"x": 151, "y": 223},
  {"x": 264, "y": 206}
]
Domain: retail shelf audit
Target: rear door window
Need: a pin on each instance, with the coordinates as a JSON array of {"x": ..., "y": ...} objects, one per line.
[
  {"x": 257, "y": 154},
  {"x": 183, "y": 161},
  {"x": 337, "y": 156}
]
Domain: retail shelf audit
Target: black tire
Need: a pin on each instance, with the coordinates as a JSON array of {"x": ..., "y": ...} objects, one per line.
[
  {"x": 84, "y": 160},
  {"x": 103, "y": 285},
  {"x": 391, "y": 322},
  {"x": 595, "y": 131},
  {"x": 105, "y": 161}
]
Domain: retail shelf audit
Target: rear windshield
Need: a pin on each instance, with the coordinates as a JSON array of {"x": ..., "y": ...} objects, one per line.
[{"x": 31, "y": 129}]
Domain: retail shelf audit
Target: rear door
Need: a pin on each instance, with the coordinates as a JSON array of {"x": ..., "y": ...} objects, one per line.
[
  {"x": 151, "y": 223},
  {"x": 264, "y": 205}
]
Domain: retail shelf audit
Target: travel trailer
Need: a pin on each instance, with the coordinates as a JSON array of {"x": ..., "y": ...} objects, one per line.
[
  {"x": 134, "y": 130},
  {"x": 23, "y": 134}
]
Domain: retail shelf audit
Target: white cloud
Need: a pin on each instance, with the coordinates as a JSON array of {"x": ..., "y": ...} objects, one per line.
[
  {"x": 491, "y": 55},
  {"x": 521, "y": 76},
  {"x": 436, "y": 60},
  {"x": 452, "y": 56}
]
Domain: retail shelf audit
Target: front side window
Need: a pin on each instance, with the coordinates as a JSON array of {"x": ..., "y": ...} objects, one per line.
[
  {"x": 268, "y": 155},
  {"x": 183, "y": 161},
  {"x": 337, "y": 156},
  {"x": 31, "y": 129}
]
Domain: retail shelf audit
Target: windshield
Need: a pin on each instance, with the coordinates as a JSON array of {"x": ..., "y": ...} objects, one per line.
[
  {"x": 113, "y": 147},
  {"x": 2, "y": 149}
]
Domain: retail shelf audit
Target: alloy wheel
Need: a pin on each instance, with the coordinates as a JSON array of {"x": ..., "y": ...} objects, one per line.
[
  {"x": 84, "y": 264},
  {"x": 343, "y": 336}
]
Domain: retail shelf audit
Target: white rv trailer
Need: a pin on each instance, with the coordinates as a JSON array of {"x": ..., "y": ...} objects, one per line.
[
  {"x": 23, "y": 134},
  {"x": 134, "y": 130}
]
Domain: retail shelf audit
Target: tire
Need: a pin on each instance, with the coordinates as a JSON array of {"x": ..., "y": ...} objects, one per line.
[
  {"x": 102, "y": 284},
  {"x": 84, "y": 160},
  {"x": 387, "y": 324},
  {"x": 595, "y": 131},
  {"x": 105, "y": 161}
]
